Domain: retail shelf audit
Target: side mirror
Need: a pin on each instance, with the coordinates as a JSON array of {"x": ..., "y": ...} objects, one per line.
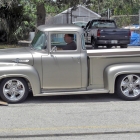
[{"x": 83, "y": 26}]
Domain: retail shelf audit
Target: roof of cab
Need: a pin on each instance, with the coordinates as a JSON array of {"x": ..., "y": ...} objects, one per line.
[{"x": 61, "y": 27}]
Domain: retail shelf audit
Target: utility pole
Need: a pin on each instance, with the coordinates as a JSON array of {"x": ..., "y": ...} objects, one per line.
[
  {"x": 108, "y": 13},
  {"x": 71, "y": 15},
  {"x": 98, "y": 6}
]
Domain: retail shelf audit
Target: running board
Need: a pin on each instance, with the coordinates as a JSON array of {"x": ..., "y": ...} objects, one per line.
[{"x": 93, "y": 91}]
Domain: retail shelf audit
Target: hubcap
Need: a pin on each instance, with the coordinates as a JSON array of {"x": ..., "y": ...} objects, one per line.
[
  {"x": 130, "y": 86},
  {"x": 13, "y": 90}
]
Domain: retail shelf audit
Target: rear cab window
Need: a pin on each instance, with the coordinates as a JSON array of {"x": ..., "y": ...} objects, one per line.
[{"x": 103, "y": 24}]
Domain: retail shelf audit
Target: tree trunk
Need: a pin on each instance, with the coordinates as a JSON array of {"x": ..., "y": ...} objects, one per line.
[{"x": 41, "y": 14}]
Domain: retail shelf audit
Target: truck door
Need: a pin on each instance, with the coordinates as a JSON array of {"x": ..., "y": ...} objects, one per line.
[{"x": 61, "y": 68}]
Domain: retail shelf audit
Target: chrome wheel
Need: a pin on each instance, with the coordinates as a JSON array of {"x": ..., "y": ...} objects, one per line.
[
  {"x": 128, "y": 87},
  {"x": 14, "y": 90}
]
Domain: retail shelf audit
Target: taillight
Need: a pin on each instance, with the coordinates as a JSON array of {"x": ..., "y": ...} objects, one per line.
[{"x": 98, "y": 33}]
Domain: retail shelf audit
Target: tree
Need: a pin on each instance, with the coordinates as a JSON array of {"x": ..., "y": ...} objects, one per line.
[
  {"x": 117, "y": 7},
  {"x": 58, "y": 4},
  {"x": 12, "y": 15},
  {"x": 7, "y": 3},
  {"x": 21, "y": 16}
]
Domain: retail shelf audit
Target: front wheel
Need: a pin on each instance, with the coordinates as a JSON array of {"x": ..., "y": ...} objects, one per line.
[
  {"x": 94, "y": 45},
  {"x": 128, "y": 87},
  {"x": 14, "y": 90}
]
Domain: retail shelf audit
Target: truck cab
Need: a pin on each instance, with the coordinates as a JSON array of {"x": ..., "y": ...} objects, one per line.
[{"x": 62, "y": 69}]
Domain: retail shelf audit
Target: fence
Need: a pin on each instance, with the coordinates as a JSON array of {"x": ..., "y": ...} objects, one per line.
[{"x": 125, "y": 20}]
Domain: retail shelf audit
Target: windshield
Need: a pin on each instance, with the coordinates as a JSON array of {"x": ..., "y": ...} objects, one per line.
[
  {"x": 80, "y": 23},
  {"x": 39, "y": 41},
  {"x": 103, "y": 24}
]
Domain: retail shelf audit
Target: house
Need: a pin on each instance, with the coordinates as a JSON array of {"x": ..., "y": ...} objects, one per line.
[{"x": 81, "y": 13}]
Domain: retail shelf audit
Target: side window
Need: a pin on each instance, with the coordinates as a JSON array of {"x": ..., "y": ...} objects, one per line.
[
  {"x": 57, "y": 39},
  {"x": 62, "y": 41},
  {"x": 87, "y": 25},
  {"x": 40, "y": 41}
]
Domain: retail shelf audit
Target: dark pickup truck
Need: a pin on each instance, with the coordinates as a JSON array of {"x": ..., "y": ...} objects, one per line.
[{"x": 104, "y": 32}]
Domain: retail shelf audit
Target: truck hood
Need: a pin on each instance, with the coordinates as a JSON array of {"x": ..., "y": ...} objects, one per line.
[{"x": 16, "y": 55}]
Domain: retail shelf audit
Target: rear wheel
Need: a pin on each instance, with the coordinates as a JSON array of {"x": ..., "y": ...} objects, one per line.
[
  {"x": 14, "y": 90},
  {"x": 123, "y": 46},
  {"x": 94, "y": 45},
  {"x": 128, "y": 87}
]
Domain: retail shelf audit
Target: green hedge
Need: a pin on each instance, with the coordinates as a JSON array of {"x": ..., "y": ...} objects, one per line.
[{"x": 8, "y": 46}]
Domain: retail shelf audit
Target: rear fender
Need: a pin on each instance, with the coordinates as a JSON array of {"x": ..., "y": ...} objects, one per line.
[{"x": 113, "y": 71}]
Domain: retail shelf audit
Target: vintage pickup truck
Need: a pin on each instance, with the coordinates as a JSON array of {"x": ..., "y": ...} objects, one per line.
[{"x": 48, "y": 71}]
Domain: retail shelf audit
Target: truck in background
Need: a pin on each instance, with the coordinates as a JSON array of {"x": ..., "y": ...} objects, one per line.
[{"x": 104, "y": 32}]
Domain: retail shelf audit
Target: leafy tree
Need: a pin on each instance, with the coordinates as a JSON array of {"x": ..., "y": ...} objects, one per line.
[
  {"x": 116, "y": 7},
  {"x": 13, "y": 16},
  {"x": 21, "y": 16},
  {"x": 55, "y": 6},
  {"x": 14, "y": 20}
]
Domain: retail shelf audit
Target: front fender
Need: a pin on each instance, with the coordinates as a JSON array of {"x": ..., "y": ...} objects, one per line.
[
  {"x": 21, "y": 70},
  {"x": 111, "y": 72}
]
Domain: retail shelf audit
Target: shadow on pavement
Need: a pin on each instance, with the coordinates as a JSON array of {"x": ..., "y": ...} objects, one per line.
[
  {"x": 73, "y": 98},
  {"x": 82, "y": 98}
]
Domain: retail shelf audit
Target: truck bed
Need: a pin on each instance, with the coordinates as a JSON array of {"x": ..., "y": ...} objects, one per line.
[
  {"x": 114, "y": 52},
  {"x": 100, "y": 59}
]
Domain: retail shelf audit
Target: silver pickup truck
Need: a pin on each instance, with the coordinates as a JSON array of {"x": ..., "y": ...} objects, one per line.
[{"x": 47, "y": 70}]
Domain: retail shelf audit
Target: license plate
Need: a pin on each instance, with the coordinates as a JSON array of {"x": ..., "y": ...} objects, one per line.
[{"x": 114, "y": 41}]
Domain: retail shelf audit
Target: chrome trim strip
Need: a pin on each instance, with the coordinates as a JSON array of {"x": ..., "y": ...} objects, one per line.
[{"x": 93, "y": 91}]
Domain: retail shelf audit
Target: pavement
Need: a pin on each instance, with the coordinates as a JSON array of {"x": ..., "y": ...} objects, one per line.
[{"x": 77, "y": 117}]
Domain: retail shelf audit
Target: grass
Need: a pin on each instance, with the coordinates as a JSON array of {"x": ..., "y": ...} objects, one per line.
[{"x": 5, "y": 46}]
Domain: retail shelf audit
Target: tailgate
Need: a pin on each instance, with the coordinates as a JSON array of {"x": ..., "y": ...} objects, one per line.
[{"x": 117, "y": 34}]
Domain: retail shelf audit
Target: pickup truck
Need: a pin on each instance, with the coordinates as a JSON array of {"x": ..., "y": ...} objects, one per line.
[
  {"x": 48, "y": 71},
  {"x": 104, "y": 32}
]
